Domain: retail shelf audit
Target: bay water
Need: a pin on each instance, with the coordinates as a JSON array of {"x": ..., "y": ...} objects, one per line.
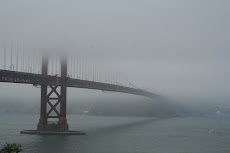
[{"x": 122, "y": 134}]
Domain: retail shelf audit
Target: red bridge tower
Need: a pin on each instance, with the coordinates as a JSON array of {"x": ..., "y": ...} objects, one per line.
[{"x": 59, "y": 97}]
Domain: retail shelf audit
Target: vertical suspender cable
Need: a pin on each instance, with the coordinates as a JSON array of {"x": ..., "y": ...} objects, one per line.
[
  {"x": 82, "y": 75},
  {"x": 56, "y": 65},
  {"x": 5, "y": 55},
  {"x": 89, "y": 72},
  {"x": 11, "y": 57},
  {"x": 52, "y": 60},
  {"x": 74, "y": 69},
  {"x": 31, "y": 63},
  {"x": 17, "y": 58},
  {"x": 80, "y": 69},
  {"x": 71, "y": 68},
  {"x": 22, "y": 61}
]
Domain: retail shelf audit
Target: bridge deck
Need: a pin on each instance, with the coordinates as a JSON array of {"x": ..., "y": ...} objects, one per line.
[{"x": 39, "y": 79}]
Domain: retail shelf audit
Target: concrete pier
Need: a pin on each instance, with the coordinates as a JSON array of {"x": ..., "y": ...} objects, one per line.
[{"x": 53, "y": 132}]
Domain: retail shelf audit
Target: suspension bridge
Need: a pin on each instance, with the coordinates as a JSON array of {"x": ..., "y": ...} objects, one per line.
[{"x": 54, "y": 73}]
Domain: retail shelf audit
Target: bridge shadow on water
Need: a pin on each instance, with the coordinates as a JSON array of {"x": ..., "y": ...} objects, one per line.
[
  {"x": 119, "y": 127},
  {"x": 60, "y": 143}
]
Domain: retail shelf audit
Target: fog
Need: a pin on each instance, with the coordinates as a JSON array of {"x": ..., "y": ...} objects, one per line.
[{"x": 178, "y": 49}]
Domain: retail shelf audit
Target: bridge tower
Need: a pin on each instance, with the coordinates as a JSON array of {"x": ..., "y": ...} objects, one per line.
[{"x": 56, "y": 96}]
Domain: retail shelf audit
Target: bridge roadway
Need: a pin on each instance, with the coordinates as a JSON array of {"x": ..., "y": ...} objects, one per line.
[{"x": 40, "y": 79}]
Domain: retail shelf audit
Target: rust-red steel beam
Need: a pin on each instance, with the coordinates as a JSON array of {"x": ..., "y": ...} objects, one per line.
[
  {"x": 43, "y": 107},
  {"x": 62, "y": 118}
]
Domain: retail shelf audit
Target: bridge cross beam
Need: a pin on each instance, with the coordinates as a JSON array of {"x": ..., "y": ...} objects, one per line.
[
  {"x": 43, "y": 124},
  {"x": 53, "y": 107}
]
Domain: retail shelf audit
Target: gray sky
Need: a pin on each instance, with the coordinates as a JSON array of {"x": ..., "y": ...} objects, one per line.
[{"x": 177, "y": 48}]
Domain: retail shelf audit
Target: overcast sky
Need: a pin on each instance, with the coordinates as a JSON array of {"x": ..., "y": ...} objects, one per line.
[{"x": 177, "y": 48}]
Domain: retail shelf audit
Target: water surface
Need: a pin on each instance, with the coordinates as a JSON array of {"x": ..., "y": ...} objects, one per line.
[{"x": 122, "y": 134}]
